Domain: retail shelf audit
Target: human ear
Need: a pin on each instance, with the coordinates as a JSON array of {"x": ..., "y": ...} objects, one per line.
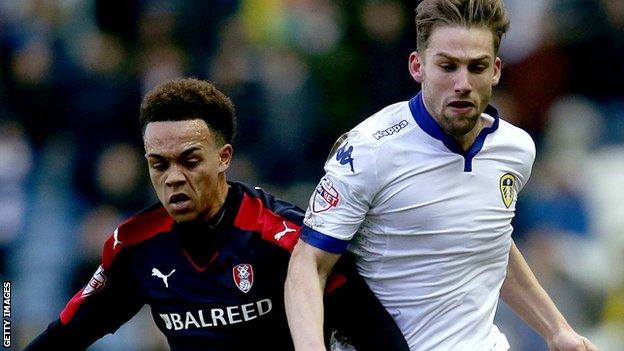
[
  {"x": 225, "y": 157},
  {"x": 415, "y": 66},
  {"x": 498, "y": 64}
]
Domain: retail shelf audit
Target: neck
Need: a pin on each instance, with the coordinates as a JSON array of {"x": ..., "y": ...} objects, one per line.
[
  {"x": 466, "y": 140},
  {"x": 219, "y": 199}
]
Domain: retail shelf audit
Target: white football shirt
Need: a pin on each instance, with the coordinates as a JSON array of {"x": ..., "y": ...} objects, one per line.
[{"x": 429, "y": 224}]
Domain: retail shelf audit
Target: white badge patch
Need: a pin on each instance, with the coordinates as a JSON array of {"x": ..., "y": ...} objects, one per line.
[
  {"x": 325, "y": 196},
  {"x": 97, "y": 282}
]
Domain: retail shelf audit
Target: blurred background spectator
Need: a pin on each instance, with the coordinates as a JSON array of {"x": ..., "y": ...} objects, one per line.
[{"x": 300, "y": 72}]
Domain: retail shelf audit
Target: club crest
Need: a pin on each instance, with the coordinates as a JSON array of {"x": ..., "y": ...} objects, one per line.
[
  {"x": 507, "y": 183},
  {"x": 243, "y": 276}
]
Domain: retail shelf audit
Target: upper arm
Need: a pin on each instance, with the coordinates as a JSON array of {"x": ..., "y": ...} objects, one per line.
[
  {"x": 514, "y": 255},
  {"x": 306, "y": 255},
  {"x": 107, "y": 301},
  {"x": 100, "y": 308},
  {"x": 518, "y": 274},
  {"x": 344, "y": 195}
]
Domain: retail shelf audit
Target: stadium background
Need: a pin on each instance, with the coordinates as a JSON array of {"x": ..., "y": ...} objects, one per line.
[{"x": 300, "y": 72}]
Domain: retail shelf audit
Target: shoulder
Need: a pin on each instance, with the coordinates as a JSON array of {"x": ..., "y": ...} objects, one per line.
[
  {"x": 362, "y": 143},
  {"x": 516, "y": 137},
  {"x": 354, "y": 159},
  {"x": 277, "y": 221},
  {"x": 138, "y": 228},
  {"x": 387, "y": 124},
  {"x": 256, "y": 200},
  {"x": 516, "y": 148}
]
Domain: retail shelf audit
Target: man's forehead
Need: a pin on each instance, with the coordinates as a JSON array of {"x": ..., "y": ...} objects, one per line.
[
  {"x": 188, "y": 129},
  {"x": 460, "y": 42},
  {"x": 461, "y": 56},
  {"x": 176, "y": 136}
]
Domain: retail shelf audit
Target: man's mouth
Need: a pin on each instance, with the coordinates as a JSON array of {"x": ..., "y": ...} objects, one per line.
[
  {"x": 177, "y": 198},
  {"x": 460, "y": 104},
  {"x": 180, "y": 202}
]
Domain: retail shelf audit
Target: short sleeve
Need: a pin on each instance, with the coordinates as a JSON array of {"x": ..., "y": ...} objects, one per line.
[
  {"x": 528, "y": 158},
  {"x": 343, "y": 196}
]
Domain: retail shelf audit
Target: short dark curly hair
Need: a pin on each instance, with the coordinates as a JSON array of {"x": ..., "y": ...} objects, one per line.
[{"x": 186, "y": 99}]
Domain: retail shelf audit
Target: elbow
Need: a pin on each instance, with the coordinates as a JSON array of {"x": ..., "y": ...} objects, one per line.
[{"x": 309, "y": 264}]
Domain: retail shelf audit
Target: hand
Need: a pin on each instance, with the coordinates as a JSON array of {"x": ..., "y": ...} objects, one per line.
[{"x": 568, "y": 340}]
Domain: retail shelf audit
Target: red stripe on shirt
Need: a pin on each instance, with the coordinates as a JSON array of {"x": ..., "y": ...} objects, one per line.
[
  {"x": 255, "y": 216},
  {"x": 134, "y": 230}
]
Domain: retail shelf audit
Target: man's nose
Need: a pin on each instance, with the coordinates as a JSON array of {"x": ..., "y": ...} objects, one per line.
[
  {"x": 462, "y": 82},
  {"x": 174, "y": 176}
]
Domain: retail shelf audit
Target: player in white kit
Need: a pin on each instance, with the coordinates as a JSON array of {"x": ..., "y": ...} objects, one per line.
[{"x": 422, "y": 193}]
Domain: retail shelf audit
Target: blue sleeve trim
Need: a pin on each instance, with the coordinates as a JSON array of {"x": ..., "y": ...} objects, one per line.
[{"x": 322, "y": 241}]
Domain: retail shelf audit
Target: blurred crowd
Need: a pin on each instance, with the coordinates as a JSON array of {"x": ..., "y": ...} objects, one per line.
[{"x": 300, "y": 72}]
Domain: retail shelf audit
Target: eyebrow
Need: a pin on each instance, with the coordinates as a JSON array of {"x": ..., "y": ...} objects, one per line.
[
  {"x": 452, "y": 58},
  {"x": 184, "y": 153}
]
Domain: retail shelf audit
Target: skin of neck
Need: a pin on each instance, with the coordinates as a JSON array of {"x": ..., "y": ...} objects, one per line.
[
  {"x": 466, "y": 140},
  {"x": 222, "y": 191}
]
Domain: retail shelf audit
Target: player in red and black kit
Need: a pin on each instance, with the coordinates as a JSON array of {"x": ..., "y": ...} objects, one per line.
[{"x": 211, "y": 258}]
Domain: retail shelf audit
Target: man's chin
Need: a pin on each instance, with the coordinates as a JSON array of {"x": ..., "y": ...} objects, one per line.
[
  {"x": 182, "y": 217},
  {"x": 460, "y": 127}
]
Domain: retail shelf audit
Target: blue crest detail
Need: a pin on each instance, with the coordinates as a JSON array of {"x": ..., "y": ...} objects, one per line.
[{"x": 343, "y": 155}]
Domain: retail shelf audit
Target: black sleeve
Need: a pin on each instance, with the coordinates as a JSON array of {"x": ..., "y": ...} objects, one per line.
[
  {"x": 55, "y": 337},
  {"x": 92, "y": 312},
  {"x": 355, "y": 313}
]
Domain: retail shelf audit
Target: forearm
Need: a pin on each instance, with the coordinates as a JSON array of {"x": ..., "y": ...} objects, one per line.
[
  {"x": 523, "y": 293},
  {"x": 304, "y": 299}
]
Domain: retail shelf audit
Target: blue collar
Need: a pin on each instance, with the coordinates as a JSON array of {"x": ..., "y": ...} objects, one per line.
[{"x": 430, "y": 126}]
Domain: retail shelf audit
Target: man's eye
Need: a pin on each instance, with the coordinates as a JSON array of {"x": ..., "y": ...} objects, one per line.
[
  {"x": 159, "y": 166},
  {"x": 477, "y": 68},
  {"x": 447, "y": 67},
  {"x": 192, "y": 163}
]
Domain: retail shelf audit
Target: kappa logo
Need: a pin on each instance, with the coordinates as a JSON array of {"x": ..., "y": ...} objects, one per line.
[
  {"x": 243, "y": 276},
  {"x": 157, "y": 273},
  {"x": 343, "y": 155},
  {"x": 507, "y": 182},
  {"x": 325, "y": 196},
  {"x": 389, "y": 131},
  {"x": 286, "y": 230},
  {"x": 116, "y": 238},
  {"x": 97, "y": 282}
]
